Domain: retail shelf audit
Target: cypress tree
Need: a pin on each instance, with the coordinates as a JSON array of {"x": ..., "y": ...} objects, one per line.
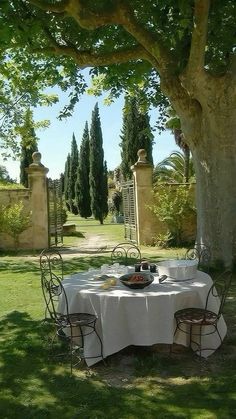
[
  {"x": 98, "y": 190},
  {"x": 136, "y": 134},
  {"x": 105, "y": 190},
  {"x": 66, "y": 178},
  {"x": 82, "y": 189},
  {"x": 128, "y": 137},
  {"x": 62, "y": 181},
  {"x": 74, "y": 161},
  {"x": 28, "y": 145},
  {"x": 145, "y": 136}
]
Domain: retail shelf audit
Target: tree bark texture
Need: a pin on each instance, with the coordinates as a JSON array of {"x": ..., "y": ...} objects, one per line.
[{"x": 215, "y": 164}]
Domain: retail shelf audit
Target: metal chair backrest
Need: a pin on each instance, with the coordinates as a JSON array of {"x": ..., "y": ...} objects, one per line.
[
  {"x": 51, "y": 266},
  {"x": 220, "y": 289},
  {"x": 126, "y": 253},
  {"x": 202, "y": 253}
]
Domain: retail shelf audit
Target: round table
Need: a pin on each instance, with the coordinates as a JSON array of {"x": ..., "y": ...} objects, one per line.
[{"x": 137, "y": 317}]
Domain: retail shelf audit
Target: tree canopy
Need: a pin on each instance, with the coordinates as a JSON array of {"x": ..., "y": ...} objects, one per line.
[
  {"x": 49, "y": 41},
  {"x": 158, "y": 47}
]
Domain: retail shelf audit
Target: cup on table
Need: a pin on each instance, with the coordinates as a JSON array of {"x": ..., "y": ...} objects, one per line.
[
  {"x": 145, "y": 265},
  {"x": 153, "y": 267},
  {"x": 137, "y": 267}
]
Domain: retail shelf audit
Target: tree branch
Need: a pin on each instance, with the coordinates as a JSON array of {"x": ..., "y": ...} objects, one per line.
[
  {"x": 88, "y": 19},
  {"x": 56, "y": 7},
  {"x": 120, "y": 14},
  {"x": 161, "y": 58},
  {"x": 199, "y": 35},
  {"x": 89, "y": 59}
]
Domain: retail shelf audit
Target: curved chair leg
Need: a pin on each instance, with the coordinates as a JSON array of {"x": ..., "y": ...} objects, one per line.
[
  {"x": 170, "y": 346},
  {"x": 190, "y": 335},
  {"x": 82, "y": 337},
  {"x": 101, "y": 344},
  {"x": 200, "y": 342},
  {"x": 71, "y": 356},
  {"x": 218, "y": 334}
]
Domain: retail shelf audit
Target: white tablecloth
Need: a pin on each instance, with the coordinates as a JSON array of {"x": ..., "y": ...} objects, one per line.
[{"x": 137, "y": 317}]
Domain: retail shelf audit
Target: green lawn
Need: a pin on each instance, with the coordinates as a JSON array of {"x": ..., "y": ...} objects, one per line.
[
  {"x": 87, "y": 227},
  {"x": 136, "y": 383}
]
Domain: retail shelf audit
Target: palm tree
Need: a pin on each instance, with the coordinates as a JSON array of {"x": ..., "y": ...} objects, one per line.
[
  {"x": 172, "y": 169},
  {"x": 174, "y": 125}
]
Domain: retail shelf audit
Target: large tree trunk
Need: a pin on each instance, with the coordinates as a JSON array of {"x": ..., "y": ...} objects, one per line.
[
  {"x": 215, "y": 164},
  {"x": 208, "y": 120}
]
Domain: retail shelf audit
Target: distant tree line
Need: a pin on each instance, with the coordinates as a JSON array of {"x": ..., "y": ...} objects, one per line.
[
  {"x": 85, "y": 178},
  {"x": 85, "y": 175}
]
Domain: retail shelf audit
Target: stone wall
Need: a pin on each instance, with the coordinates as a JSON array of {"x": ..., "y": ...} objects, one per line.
[
  {"x": 9, "y": 197},
  {"x": 35, "y": 201},
  {"x": 189, "y": 224}
]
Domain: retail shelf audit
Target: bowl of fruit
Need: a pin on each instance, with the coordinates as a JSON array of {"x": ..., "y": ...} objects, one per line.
[{"x": 137, "y": 280}]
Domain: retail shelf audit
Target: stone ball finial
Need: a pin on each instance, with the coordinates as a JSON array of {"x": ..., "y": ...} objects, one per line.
[
  {"x": 36, "y": 168},
  {"x": 36, "y": 156},
  {"x": 142, "y": 156}
]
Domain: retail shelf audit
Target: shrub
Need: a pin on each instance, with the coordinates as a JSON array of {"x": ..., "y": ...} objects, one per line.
[
  {"x": 14, "y": 220},
  {"x": 116, "y": 202},
  {"x": 175, "y": 205},
  {"x": 162, "y": 240}
]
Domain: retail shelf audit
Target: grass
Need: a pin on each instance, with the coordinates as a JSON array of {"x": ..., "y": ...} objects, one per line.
[
  {"x": 135, "y": 383},
  {"x": 90, "y": 227}
]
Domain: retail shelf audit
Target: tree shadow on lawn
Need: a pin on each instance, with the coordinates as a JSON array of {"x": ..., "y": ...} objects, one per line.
[
  {"x": 81, "y": 263},
  {"x": 34, "y": 385},
  {"x": 19, "y": 266}
]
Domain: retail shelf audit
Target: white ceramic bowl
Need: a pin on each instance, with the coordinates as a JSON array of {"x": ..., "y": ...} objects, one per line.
[{"x": 178, "y": 269}]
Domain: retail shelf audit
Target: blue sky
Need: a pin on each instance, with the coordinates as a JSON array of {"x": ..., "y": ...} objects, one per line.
[{"x": 55, "y": 141}]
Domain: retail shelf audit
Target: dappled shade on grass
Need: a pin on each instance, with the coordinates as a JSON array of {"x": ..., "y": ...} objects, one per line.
[{"x": 136, "y": 382}]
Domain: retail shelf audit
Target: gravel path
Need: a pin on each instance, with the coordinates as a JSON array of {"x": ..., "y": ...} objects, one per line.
[{"x": 93, "y": 244}]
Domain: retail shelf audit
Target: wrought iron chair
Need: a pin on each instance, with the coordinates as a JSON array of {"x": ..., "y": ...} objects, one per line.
[
  {"x": 200, "y": 318},
  {"x": 202, "y": 253},
  {"x": 50, "y": 261},
  {"x": 126, "y": 253},
  {"x": 69, "y": 326}
]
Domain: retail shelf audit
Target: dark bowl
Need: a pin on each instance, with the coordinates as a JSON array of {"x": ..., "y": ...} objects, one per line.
[{"x": 132, "y": 281}]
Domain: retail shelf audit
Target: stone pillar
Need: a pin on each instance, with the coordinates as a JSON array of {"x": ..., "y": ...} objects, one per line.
[
  {"x": 143, "y": 171},
  {"x": 39, "y": 202}
]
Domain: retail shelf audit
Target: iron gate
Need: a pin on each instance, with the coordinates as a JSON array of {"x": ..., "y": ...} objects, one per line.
[
  {"x": 55, "y": 212},
  {"x": 128, "y": 193}
]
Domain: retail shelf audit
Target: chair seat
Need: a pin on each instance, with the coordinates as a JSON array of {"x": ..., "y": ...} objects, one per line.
[
  {"x": 196, "y": 316},
  {"x": 77, "y": 319}
]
